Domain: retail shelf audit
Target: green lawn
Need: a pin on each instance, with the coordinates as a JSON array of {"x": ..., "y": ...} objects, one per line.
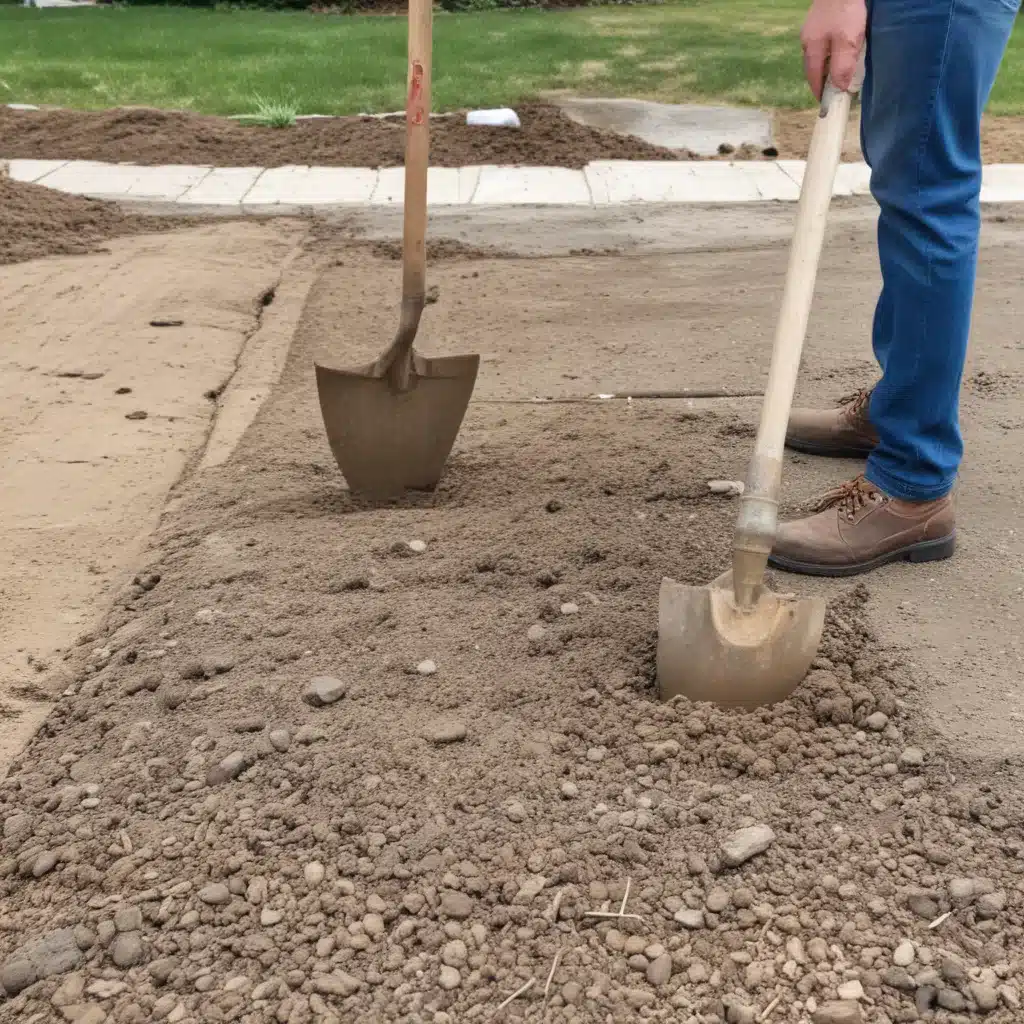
[{"x": 738, "y": 51}]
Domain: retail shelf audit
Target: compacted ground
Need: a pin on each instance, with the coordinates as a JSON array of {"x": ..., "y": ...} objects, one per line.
[{"x": 324, "y": 761}]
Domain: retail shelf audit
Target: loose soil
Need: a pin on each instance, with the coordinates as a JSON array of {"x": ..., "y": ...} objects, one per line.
[
  {"x": 36, "y": 221},
  {"x": 196, "y": 835},
  {"x": 1002, "y": 138},
  {"x": 547, "y": 138}
]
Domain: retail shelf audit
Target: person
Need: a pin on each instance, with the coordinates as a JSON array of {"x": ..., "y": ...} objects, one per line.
[{"x": 929, "y": 68}]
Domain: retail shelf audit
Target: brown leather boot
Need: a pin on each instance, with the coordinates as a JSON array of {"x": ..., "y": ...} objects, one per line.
[
  {"x": 841, "y": 433},
  {"x": 856, "y": 528}
]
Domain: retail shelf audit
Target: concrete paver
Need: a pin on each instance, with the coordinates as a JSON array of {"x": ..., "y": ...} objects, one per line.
[
  {"x": 308, "y": 186},
  {"x": 527, "y": 186},
  {"x": 446, "y": 186},
  {"x": 223, "y": 186},
  {"x": 124, "y": 181}
]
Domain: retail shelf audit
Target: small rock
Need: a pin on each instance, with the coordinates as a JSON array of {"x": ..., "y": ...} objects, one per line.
[
  {"x": 912, "y": 757},
  {"x": 985, "y": 996},
  {"x": 138, "y": 414},
  {"x": 692, "y": 919},
  {"x": 732, "y": 488},
  {"x": 16, "y": 975},
  {"x": 454, "y": 953},
  {"x": 161, "y": 970},
  {"x": 749, "y": 842},
  {"x": 338, "y": 983},
  {"x": 839, "y": 1012},
  {"x": 904, "y": 955},
  {"x": 128, "y": 919},
  {"x": 850, "y": 991},
  {"x": 126, "y": 950},
  {"x": 280, "y": 739},
  {"x": 569, "y": 790},
  {"x": 417, "y": 546},
  {"x": 216, "y": 894},
  {"x": 426, "y": 668},
  {"x": 313, "y": 872},
  {"x": 44, "y": 863},
  {"x": 660, "y": 970},
  {"x": 515, "y": 811},
  {"x": 450, "y": 978},
  {"x": 950, "y": 999},
  {"x": 166, "y": 321},
  {"x": 877, "y": 721},
  {"x": 106, "y": 988},
  {"x": 230, "y": 768},
  {"x": 323, "y": 690},
  {"x": 536, "y": 632},
  {"x": 898, "y": 978},
  {"x": 990, "y": 905},
  {"x": 456, "y": 905},
  {"x": 1009, "y": 995},
  {"x": 444, "y": 731},
  {"x": 569, "y": 608},
  {"x": 269, "y": 917}
]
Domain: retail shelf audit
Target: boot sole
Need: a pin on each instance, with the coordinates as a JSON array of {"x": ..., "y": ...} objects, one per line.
[
  {"x": 926, "y": 551},
  {"x": 829, "y": 451}
]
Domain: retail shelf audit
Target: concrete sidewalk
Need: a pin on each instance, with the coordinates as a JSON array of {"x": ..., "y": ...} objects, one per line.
[{"x": 599, "y": 184}]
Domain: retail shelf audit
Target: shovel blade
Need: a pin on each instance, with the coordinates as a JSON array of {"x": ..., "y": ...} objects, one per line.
[
  {"x": 709, "y": 649},
  {"x": 387, "y": 442}
]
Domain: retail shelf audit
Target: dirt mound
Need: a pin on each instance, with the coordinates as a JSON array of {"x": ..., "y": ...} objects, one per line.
[
  {"x": 143, "y": 136},
  {"x": 312, "y": 771},
  {"x": 36, "y": 222}
]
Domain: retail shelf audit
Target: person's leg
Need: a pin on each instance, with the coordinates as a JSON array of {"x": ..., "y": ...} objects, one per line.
[{"x": 930, "y": 67}]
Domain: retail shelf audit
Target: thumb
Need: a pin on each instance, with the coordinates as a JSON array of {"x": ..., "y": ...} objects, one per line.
[{"x": 843, "y": 61}]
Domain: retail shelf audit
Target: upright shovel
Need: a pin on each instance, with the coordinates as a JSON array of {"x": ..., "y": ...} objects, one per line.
[
  {"x": 735, "y": 642},
  {"x": 391, "y": 425}
]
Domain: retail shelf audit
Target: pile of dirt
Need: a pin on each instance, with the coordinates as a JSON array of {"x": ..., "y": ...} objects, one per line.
[
  {"x": 330, "y": 762},
  {"x": 143, "y": 136},
  {"x": 37, "y": 222},
  {"x": 1002, "y": 138}
]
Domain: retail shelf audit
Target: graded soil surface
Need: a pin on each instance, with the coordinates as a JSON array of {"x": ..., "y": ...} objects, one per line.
[
  {"x": 36, "y": 221},
  {"x": 335, "y": 762}
]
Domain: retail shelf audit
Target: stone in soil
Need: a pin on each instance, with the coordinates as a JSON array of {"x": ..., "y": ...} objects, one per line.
[
  {"x": 841, "y": 1011},
  {"x": 324, "y": 690},
  {"x": 444, "y": 731},
  {"x": 745, "y": 844}
]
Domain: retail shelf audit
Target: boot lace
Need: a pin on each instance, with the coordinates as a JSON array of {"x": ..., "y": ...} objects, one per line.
[
  {"x": 855, "y": 405},
  {"x": 849, "y": 498}
]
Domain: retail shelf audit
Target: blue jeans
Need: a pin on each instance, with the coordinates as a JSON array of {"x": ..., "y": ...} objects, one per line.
[{"x": 930, "y": 67}]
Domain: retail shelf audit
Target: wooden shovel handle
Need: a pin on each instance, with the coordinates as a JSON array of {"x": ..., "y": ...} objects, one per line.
[
  {"x": 397, "y": 361},
  {"x": 757, "y": 521}
]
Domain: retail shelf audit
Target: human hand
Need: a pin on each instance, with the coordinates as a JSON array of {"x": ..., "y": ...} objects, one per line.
[{"x": 832, "y": 39}]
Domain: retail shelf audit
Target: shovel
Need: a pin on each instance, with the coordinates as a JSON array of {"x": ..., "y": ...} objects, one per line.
[
  {"x": 735, "y": 642},
  {"x": 391, "y": 425}
]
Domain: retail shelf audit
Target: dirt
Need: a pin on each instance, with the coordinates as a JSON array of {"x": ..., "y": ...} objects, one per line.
[
  {"x": 36, "y": 222},
  {"x": 196, "y": 835},
  {"x": 1002, "y": 138},
  {"x": 144, "y": 136}
]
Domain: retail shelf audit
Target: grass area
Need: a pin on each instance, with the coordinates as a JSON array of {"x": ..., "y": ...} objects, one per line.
[{"x": 736, "y": 51}]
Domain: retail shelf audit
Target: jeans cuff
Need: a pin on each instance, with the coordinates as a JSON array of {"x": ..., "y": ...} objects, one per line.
[{"x": 894, "y": 488}]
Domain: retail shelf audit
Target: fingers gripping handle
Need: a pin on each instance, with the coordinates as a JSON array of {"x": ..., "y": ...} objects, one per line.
[{"x": 757, "y": 521}]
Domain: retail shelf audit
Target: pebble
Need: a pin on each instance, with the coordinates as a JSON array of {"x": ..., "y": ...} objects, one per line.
[
  {"x": 444, "y": 731},
  {"x": 455, "y": 953},
  {"x": 126, "y": 950},
  {"x": 731, "y": 488},
  {"x": 877, "y": 721},
  {"x": 912, "y": 757},
  {"x": 280, "y": 739},
  {"x": 569, "y": 790},
  {"x": 16, "y": 975},
  {"x": 44, "y": 863},
  {"x": 904, "y": 955},
  {"x": 426, "y": 668},
  {"x": 450, "y": 978},
  {"x": 269, "y": 917},
  {"x": 128, "y": 919},
  {"x": 660, "y": 970},
  {"x": 692, "y": 919},
  {"x": 536, "y": 632},
  {"x": 850, "y": 991},
  {"x": 748, "y": 842},
  {"x": 230, "y": 768},
  {"x": 417, "y": 546},
  {"x": 323, "y": 690},
  {"x": 515, "y": 811},
  {"x": 838, "y": 1012},
  {"x": 985, "y": 996},
  {"x": 570, "y": 608},
  {"x": 313, "y": 872},
  {"x": 216, "y": 894},
  {"x": 456, "y": 905}
]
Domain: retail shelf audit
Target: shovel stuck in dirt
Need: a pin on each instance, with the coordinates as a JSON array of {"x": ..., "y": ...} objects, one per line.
[
  {"x": 735, "y": 642},
  {"x": 391, "y": 425}
]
